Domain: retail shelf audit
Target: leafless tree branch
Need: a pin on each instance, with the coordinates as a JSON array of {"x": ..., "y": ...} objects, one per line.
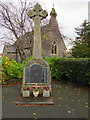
[{"x": 15, "y": 20}]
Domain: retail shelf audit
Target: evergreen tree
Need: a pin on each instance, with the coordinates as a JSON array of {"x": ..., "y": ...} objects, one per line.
[{"x": 81, "y": 48}]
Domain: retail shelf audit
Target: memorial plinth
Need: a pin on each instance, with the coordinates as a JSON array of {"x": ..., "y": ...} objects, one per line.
[{"x": 32, "y": 101}]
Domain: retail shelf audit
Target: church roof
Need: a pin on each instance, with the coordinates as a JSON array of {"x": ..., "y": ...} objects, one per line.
[
  {"x": 49, "y": 31},
  {"x": 10, "y": 48}
]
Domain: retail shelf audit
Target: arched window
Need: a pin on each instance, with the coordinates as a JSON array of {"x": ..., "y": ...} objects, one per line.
[{"x": 54, "y": 48}]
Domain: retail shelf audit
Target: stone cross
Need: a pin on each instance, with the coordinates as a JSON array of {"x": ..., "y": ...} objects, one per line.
[{"x": 37, "y": 14}]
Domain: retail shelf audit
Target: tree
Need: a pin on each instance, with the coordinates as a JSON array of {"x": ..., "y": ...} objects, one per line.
[
  {"x": 16, "y": 21},
  {"x": 82, "y": 44}
]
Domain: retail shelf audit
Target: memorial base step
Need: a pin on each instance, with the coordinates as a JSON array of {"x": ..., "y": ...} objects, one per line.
[{"x": 34, "y": 101}]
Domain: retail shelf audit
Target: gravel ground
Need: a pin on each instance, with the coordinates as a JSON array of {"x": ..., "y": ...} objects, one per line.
[{"x": 71, "y": 101}]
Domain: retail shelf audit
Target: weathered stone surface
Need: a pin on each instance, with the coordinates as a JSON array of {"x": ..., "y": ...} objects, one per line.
[
  {"x": 37, "y": 61},
  {"x": 34, "y": 74},
  {"x": 36, "y": 71},
  {"x": 37, "y": 13}
]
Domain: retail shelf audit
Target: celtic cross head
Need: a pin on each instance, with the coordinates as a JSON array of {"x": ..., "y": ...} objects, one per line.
[{"x": 37, "y": 11}]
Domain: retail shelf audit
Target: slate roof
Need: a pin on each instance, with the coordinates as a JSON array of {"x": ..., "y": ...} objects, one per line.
[{"x": 11, "y": 48}]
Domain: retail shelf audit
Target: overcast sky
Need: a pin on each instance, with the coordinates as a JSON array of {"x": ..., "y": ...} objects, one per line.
[{"x": 70, "y": 13}]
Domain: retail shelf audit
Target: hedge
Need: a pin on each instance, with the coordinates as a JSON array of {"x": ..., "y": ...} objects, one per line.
[
  {"x": 70, "y": 69},
  {"x": 62, "y": 69}
]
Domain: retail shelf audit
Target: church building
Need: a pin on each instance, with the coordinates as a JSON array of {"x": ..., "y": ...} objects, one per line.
[{"x": 52, "y": 41}]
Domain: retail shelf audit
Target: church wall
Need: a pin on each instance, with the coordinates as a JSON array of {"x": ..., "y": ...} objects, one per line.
[{"x": 12, "y": 56}]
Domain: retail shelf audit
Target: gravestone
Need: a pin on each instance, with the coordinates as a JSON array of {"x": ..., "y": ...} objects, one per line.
[{"x": 36, "y": 72}]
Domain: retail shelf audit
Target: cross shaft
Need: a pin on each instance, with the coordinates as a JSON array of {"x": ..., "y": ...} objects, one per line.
[{"x": 37, "y": 14}]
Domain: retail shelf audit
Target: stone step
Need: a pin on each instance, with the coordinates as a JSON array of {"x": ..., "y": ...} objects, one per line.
[{"x": 34, "y": 101}]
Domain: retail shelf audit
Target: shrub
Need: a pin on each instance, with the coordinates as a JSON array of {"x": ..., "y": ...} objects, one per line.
[
  {"x": 70, "y": 69},
  {"x": 27, "y": 59},
  {"x": 11, "y": 69}
]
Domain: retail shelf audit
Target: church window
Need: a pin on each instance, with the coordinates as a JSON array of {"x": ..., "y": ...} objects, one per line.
[{"x": 54, "y": 48}]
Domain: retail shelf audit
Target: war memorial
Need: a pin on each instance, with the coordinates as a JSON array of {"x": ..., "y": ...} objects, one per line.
[{"x": 36, "y": 86}]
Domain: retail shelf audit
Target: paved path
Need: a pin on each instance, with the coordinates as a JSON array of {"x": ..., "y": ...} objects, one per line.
[{"x": 71, "y": 101}]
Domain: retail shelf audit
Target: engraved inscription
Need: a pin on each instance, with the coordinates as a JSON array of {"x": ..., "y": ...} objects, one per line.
[{"x": 34, "y": 74}]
